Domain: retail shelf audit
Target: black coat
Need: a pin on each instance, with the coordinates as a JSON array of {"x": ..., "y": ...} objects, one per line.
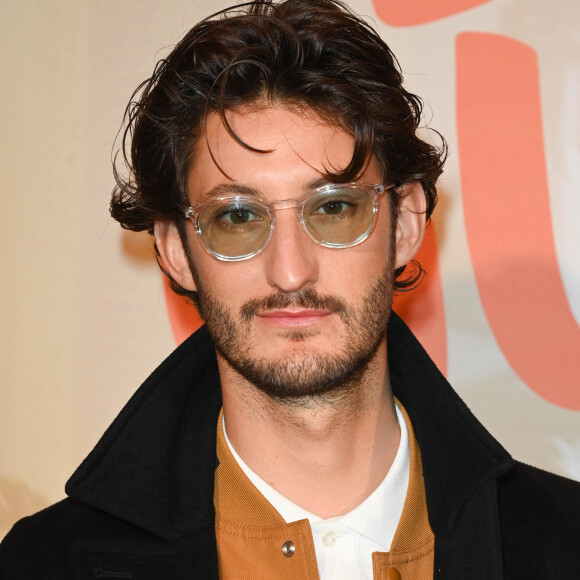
[{"x": 141, "y": 505}]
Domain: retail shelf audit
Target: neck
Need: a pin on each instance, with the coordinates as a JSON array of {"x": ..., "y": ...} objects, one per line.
[{"x": 326, "y": 454}]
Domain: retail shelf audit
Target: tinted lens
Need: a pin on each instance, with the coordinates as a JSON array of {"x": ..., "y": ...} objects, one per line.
[
  {"x": 234, "y": 228},
  {"x": 340, "y": 216}
]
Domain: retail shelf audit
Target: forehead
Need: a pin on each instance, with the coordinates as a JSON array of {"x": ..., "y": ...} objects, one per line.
[{"x": 294, "y": 148}]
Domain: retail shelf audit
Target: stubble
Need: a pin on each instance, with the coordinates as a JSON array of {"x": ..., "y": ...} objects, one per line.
[{"x": 307, "y": 375}]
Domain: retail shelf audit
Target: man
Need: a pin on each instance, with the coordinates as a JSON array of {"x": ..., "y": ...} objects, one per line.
[{"x": 303, "y": 432}]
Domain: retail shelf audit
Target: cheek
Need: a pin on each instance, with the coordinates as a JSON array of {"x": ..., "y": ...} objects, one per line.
[
  {"x": 368, "y": 265},
  {"x": 230, "y": 283},
  {"x": 350, "y": 273}
]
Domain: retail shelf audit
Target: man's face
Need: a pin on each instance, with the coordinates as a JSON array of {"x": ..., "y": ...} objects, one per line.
[{"x": 298, "y": 319}]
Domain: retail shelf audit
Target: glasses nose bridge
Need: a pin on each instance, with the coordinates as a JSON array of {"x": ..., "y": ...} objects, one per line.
[{"x": 296, "y": 204}]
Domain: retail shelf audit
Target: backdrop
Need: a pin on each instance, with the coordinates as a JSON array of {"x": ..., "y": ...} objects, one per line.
[{"x": 83, "y": 307}]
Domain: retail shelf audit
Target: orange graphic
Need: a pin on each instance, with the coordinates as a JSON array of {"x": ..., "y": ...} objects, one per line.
[
  {"x": 183, "y": 316},
  {"x": 423, "y": 308},
  {"x": 413, "y": 12},
  {"x": 507, "y": 214}
]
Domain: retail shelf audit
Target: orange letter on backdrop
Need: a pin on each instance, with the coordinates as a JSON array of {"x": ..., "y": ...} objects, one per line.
[
  {"x": 507, "y": 214},
  {"x": 423, "y": 308},
  {"x": 413, "y": 12},
  {"x": 183, "y": 316}
]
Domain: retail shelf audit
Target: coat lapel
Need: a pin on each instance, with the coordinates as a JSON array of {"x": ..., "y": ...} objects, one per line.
[{"x": 461, "y": 462}]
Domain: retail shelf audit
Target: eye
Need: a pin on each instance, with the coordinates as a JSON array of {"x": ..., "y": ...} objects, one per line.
[
  {"x": 238, "y": 216},
  {"x": 338, "y": 205},
  {"x": 235, "y": 217},
  {"x": 333, "y": 207}
]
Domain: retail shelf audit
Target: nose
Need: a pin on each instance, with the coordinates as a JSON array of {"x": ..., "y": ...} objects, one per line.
[{"x": 291, "y": 257}]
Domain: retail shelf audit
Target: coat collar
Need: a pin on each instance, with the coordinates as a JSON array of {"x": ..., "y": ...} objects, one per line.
[{"x": 154, "y": 466}]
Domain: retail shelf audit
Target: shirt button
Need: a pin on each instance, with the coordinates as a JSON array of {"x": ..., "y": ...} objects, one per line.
[
  {"x": 329, "y": 539},
  {"x": 393, "y": 574},
  {"x": 288, "y": 549}
]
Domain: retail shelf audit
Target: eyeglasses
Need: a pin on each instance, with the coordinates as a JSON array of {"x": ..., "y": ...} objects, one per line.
[{"x": 335, "y": 216}]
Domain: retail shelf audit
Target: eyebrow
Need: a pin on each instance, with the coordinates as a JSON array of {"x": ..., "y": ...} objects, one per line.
[
  {"x": 232, "y": 189},
  {"x": 226, "y": 190}
]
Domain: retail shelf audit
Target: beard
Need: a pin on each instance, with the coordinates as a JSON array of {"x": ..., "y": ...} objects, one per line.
[{"x": 305, "y": 374}]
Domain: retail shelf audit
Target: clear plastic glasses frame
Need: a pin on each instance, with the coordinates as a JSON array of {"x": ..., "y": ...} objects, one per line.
[{"x": 324, "y": 215}]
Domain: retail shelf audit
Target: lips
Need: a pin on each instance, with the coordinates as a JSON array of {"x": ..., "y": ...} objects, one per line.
[
  {"x": 302, "y": 305},
  {"x": 293, "y": 318}
]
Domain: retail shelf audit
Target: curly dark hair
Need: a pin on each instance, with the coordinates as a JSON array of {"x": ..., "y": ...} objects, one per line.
[{"x": 314, "y": 55}]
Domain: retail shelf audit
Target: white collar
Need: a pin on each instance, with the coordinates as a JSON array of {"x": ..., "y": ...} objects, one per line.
[{"x": 376, "y": 518}]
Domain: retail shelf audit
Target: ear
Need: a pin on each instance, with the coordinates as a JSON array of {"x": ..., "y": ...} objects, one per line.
[
  {"x": 173, "y": 258},
  {"x": 410, "y": 226}
]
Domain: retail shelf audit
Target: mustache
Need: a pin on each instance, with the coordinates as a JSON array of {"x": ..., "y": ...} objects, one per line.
[{"x": 308, "y": 298}]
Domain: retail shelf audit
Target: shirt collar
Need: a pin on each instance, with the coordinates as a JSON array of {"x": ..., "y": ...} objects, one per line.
[{"x": 376, "y": 518}]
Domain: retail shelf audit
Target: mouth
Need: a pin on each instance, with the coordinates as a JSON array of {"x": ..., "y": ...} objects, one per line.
[
  {"x": 293, "y": 318},
  {"x": 302, "y": 309}
]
